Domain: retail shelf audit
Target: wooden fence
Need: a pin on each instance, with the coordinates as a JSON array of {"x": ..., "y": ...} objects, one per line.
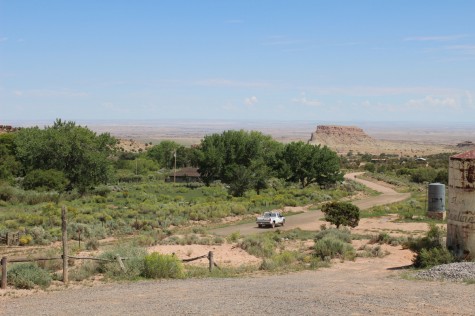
[
  {"x": 10, "y": 239},
  {"x": 4, "y": 261}
]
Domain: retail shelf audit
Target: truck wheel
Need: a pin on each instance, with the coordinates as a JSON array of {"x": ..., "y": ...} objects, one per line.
[
  {"x": 259, "y": 225},
  {"x": 283, "y": 222}
]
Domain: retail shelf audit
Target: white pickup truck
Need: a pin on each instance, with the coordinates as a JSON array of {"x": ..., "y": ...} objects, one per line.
[{"x": 271, "y": 219}]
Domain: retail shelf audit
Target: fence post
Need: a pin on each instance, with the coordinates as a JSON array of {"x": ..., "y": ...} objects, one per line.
[
  {"x": 211, "y": 261},
  {"x": 64, "y": 229},
  {"x": 121, "y": 264},
  {"x": 4, "y": 273}
]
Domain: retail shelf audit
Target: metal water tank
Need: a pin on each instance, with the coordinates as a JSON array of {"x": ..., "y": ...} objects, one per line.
[
  {"x": 461, "y": 210},
  {"x": 436, "y": 197}
]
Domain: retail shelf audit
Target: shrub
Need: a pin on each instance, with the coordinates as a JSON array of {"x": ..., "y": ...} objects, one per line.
[
  {"x": 45, "y": 180},
  {"x": 158, "y": 266},
  {"x": 430, "y": 249},
  {"x": 27, "y": 275},
  {"x": 134, "y": 263},
  {"x": 341, "y": 234},
  {"x": 341, "y": 213},
  {"x": 84, "y": 271},
  {"x": 92, "y": 244},
  {"x": 334, "y": 248},
  {"x": 427, "y": 258},
  {"x": 262, "y": 246},
  {"x": 25, "y": 240}
]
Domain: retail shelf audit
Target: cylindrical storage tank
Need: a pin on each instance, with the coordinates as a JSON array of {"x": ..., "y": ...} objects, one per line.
[
  {"x": 461, "y": 211},
  {"x": 436, "y": 197}
]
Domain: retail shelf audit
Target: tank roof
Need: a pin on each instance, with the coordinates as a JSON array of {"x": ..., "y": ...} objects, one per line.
[{"x": 466, "y": 155}]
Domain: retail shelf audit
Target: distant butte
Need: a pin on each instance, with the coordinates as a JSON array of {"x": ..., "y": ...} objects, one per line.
[
  {"x": 331, "y": 135},
  {"x": 344, "y": 139}
]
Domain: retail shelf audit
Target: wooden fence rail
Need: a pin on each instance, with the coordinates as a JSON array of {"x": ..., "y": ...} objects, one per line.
[
  {"x": 4, "y": 261},
  {"x": 11, "y": 239}
]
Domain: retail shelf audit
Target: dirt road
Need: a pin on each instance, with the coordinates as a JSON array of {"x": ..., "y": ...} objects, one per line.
[
  {"x": 387, "y": 196},
  {"x": 352, "y": 288}
]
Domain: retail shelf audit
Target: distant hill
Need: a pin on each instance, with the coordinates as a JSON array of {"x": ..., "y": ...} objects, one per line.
[{"x": 343, "y": 139}]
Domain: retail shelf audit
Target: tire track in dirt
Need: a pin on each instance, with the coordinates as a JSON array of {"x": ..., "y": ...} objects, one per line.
[{"x": 387, "y": 196}]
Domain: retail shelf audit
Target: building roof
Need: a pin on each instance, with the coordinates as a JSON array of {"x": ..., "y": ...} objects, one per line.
[
  {"x": 466, "y": 155},
  {"x": 187, "y": 172}
]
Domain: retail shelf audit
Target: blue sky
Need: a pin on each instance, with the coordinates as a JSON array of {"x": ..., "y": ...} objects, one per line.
[{"x": 246, "y": 60}]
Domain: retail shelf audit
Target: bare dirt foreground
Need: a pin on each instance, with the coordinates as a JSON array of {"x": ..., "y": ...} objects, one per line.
[{"x": 366, "y": 286}]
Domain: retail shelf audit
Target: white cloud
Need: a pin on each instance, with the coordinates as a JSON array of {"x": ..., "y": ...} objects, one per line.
[
  {"x": 46, "y": 93},
  {"x": 382, "y": 91},
  {"x": 305, "y": 101},
  {"x": 464, "y": 49},
  {"x": 433, "y": 102},
  {"x": 469, "y": 98},
  {"x": 250, "y": 101},
  {"x": 230, "y": 83},
  {"x": 438, "y": 38},
  {"x": 281, "y": 40}
]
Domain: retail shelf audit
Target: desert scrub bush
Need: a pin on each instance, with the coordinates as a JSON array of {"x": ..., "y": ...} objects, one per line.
[
  {"x": 27, "y": 276},
  {"x": 367, "y": 251},
  {"x": 385, "y": 238},
  {"x": 86, "y": 231},
  {"x": 262, "y": 246},
  {"x": 25, "y": 240},
  {"x": 329, "y": 248},
  {"x": 92, "y": 244},
  {"x": 160, "y": 266},
  {"x": 51, "y": 265},
  {"x": 233, "y": 237},
  {"x": 334, "y": 243},
  {"x": 289, "y": 260},
  {"x": 297, "y": 234},
  {"x": 427, "y": 258},
  {"x": 341, "y": 234},
  {"x": 133, "y": 264},
  {"x": 430, "y": 249},
  {"x": 84, "y": 271}
]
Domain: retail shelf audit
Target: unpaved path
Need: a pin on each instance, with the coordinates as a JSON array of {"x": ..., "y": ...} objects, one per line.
[
  {"x": 364, "y": 287},
  {"x": 309, "y": 218}
]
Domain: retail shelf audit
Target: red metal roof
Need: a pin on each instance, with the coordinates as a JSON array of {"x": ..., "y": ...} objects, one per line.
[{"x": 466, "y": 155}]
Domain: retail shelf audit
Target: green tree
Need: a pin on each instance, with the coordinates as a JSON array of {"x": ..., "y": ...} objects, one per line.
[
  {"x": 9, "y": 166},
  {"x": 308, "y": 164},
  {"x": 82, "y": 155},
  {"x": 242, "y": 159},
  {"x": 45, "y": 180},
  {"x": 164, "y": 153},
  {"x": 341, "y": 213}
]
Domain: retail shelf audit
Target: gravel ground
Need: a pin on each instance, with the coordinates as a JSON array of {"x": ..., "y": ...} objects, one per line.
[
  {"x": 460, "y": 271},
  {"x": 323, "y": 292}
]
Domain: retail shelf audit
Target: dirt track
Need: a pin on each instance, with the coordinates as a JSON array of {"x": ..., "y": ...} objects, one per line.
[
  {"x": 352, "y": 288},
  {"x": 387, "y": 196}
]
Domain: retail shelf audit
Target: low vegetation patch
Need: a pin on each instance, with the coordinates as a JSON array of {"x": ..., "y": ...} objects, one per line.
[
  {"x": 27, "y": 276},
  {"x": 159, "y": 266}
]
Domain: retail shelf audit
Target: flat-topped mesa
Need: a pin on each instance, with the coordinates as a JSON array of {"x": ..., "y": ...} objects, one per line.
[{"x": 332, "y": 135}]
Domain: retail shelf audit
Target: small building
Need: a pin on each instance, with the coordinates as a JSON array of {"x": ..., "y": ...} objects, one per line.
[{"x": 185, "y": 175}]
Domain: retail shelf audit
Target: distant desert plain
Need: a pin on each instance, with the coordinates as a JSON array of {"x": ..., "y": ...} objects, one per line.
[{"x": 404, "y": 138}]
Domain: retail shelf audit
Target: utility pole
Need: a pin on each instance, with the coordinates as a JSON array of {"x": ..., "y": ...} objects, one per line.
[{"x": 174, "y": 170}]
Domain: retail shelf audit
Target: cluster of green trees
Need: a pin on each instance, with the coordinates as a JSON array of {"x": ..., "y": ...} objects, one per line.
[
  {"x": 247, "y": 160},
  {"x": 60, "y": 157},
  {"x": 433, "y": 169},
  {"x": 66, "y": 156}
]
